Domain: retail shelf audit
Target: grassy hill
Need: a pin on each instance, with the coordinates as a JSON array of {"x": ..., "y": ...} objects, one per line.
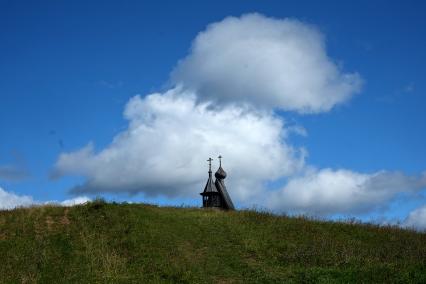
[{"x": 135, "y": 243}]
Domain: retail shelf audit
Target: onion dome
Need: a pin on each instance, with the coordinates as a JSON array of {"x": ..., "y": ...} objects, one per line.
[{"x": 220, "y": 173}]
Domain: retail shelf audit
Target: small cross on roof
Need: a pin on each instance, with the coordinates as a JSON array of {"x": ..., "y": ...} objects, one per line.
[{"x": 210, "y": 163}]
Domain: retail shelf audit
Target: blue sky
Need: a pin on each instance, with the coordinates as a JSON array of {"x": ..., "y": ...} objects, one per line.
[{"x": 68, "y": 68}]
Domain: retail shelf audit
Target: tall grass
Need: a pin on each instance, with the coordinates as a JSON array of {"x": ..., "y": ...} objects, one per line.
[{"x": 134, "y": 243}]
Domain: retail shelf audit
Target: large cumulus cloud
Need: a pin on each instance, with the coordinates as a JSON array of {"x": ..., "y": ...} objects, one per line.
[
  {"x": 268, "y": 62},
  {"x": 169, "y": 138}
]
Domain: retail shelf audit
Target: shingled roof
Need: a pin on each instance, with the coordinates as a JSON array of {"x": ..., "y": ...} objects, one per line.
[
  {"x": 220, "y": 185},
  {"x": 210, "y": 186}
]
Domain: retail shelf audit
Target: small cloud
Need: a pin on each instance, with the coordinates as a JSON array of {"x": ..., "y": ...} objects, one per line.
[
  {"x": 397, "y": 94},
  {"x": 15, "y": 170},
  {"x": 409, "y": 88},
  {"x": 13, "y": 173},
  {"x": 76, "y": 201},
  {"x": 417, "y": 219},
  {"x": 10, "y": 200}
]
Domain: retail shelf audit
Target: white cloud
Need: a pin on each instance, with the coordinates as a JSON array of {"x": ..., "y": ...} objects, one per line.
[
  {"x": 9, "y": 200},
  {"x": 417, "y": 219},
  {"x": 13, "y": 173},
  {"x": 327, "y": 191},
  {"x": 267, "y": 62},
  {"x": 169, "y": 138},
  {"x": 75, "y": 201}
]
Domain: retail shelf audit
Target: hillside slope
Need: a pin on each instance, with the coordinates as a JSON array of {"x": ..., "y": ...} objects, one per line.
[{"x": 136, "y": 243}]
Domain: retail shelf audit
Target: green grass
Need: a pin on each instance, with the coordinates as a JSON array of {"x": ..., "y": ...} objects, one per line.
[{"x": 134, "y": 243}]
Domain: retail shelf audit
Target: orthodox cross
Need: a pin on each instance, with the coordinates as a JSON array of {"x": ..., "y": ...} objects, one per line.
[
  {"x": 220, "y": 160},
  {"x": 210, "y": 164}
]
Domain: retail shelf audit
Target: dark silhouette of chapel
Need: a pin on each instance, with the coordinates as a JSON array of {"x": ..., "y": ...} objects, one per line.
[{"x": 215, "y": 194}]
